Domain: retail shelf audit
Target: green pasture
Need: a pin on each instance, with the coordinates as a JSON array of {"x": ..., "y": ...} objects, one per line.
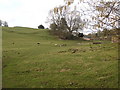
[{"x": 32, "y": 58}]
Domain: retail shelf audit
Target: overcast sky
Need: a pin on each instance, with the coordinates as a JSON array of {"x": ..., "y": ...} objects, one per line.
[{"x": 26, "y": 13}]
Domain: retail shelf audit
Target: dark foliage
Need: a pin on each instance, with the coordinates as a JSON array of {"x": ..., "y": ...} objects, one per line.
[
  {"x": 41, "y": 27},
  {"x": 80, "y": 35}
]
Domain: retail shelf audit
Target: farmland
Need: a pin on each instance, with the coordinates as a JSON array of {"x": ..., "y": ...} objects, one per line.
[{"x": 32, "y": 58}]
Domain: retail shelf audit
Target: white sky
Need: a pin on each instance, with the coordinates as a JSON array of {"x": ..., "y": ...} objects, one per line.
[{"x": 26, "y": 13}]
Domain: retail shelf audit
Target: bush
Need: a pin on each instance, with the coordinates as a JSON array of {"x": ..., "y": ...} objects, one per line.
[{"x": 40, "y": 27}]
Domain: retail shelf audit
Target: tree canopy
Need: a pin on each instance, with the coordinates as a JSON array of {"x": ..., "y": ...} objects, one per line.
[{"x": 94, "y": 15}]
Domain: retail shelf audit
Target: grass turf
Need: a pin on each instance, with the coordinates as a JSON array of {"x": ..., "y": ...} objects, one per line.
[{"x": 34, "y": 59}]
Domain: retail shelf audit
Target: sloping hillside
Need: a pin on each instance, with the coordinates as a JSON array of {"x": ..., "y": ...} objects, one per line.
[{"x": 34, "y": 59}]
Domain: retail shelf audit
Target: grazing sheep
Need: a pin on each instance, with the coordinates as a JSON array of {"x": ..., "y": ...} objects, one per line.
[
  {"x": 55, "y": 44},
  {"x": 63, "y": 45},
  {"x": 73, "y": 50}
]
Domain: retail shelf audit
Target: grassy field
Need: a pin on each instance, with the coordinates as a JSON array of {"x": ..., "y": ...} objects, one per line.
[{"x": 34, "y": 59}]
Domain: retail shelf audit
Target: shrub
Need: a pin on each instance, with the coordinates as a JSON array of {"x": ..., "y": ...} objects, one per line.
[{"x": 40, "y": 27}]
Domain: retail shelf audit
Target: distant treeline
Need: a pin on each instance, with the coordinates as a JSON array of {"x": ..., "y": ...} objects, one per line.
[{"x": 106, "y": 34}]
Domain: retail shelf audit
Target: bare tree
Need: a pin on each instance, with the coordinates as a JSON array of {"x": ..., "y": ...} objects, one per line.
[
  {"x": 65, "y": 20},
  {"x": 101, "y": 13},
  {"x": 108, "y": 13},
  {"x": 74, "y": 21}
]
